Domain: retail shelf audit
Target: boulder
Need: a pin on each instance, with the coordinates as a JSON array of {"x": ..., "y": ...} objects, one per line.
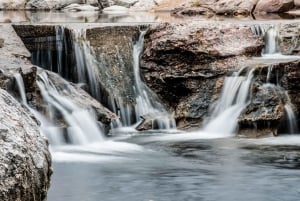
[
  {"x": 183, "y": 63},
  {"x": 234, "y": 7},
  {"x": 80, "y": 7},
  {"x": 49, "y": 4},
  {"x": 12, "y": 4},
  {"x": 125, "y": 3},
  {"x": 274, "y": 6},
  {"x": 25, "y": 162},
  {"x": 145, "y": 5}
]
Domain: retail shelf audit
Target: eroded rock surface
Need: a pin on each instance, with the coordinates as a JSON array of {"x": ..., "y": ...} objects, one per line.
[
  {"x": 25, "y": 162},
  {"x": 184, "y": 63},
  {"x": 274, "y": 6}
]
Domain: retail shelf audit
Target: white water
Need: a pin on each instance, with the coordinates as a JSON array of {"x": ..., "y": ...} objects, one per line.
[
  {"x": 82, "y": 127},
  {"x": 144, "y": 105},
  {"x": 233, "y": 99}
]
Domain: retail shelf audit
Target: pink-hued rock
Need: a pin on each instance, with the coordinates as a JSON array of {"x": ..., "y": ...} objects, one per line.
[
  {"x": 274, "y": 6},
  {"x": 233, "y": 7},
  {"x": 297, "y": 3}
]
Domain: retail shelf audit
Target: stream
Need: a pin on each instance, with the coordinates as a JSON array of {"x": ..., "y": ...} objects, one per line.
[{"x": 180, "y": 168}]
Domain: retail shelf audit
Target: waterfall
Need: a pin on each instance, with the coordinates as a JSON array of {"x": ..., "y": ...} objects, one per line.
[
  {"x": 144, "y": 105},
  {"x": 233, "y": 99},
  {"x": 291, "y": 119},
  {"x": 82, "y": 126},
  {"x": 21, "y": 88},
  {"x": 271, "y": 37}
]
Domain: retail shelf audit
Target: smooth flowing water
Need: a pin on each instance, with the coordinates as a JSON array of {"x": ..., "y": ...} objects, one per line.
[{"x": 182, "y": 167}]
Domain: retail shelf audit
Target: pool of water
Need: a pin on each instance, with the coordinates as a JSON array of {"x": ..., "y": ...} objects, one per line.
[{"x": 179, "y": 167}]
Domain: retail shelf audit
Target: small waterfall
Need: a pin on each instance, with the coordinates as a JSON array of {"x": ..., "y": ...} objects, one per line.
[
  {"x": 233, "y": 99},
  {"x": 82, "y": 126},
  {"x": 21, "y": 88},
  {"x": 144, "y": 105},
  {"x": 271, "y": 37},
  {"x": 291, "y": 118}
]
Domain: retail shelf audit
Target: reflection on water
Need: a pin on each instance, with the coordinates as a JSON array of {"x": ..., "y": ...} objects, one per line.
[
  {"x": 98, "y": 17},
  {"x": 225, "y": 169}
]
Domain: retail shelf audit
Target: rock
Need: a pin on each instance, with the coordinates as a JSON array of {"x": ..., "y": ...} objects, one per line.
[
  {"x": 1, "y": 42},
  {"x": 115, "y": 10},
  {"x": 12, "y": 4},
  {"x": 145, "y": 5},
  {"x": 234, "y": 7},
  {"x": 269, "y": 95},
  {"x": 182, "y": 63},
  {"x": 25, "y": 162},
  {"x": 297, "y": 3},
  {"x": 125, "y": 3},
  {"x": 80, "y": 7},
  {"x": 274, "y": 6},
  {"x": 49, "y": 4}
]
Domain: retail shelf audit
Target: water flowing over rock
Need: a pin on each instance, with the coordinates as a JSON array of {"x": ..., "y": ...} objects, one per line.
[
  {"x": 24, "y": 160},
  {"x": 184, "y": 63}
]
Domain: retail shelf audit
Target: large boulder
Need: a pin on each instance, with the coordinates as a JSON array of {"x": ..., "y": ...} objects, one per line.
[
  {"x": 49, "y": 4},
  {"x": 234, "y": 7},
  {"x": 274, "y": 6},
  {"x": 12, "y": 4},
  {"x": 183, "y": 63},
  {"x": 25, "y": 162}
]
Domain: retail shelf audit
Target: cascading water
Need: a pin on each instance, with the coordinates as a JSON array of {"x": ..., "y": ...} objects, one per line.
[
  {"x": 82, "y": 127},
  {"x": 233, "y": 99}
]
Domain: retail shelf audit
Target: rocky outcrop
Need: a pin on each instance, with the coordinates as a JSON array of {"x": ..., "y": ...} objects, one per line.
[
  {"x": 25, "y": 162},
  {"x": 274, "y": 6},
  {"x": 184, "y": 64},
  {"x": 12, "y": 4},
  {"x": 49, "y": 4},
  {"x": 233, "y": 7}
]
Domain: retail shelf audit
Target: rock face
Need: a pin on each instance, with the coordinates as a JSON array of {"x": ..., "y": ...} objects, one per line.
[
  {"x": 184, "y": 64},
  {"x": 274, "y": 6},
  {"x": 49, "y": 4},
  {"x": 25, "y": 162},
  {"x": 12, "y": 4},
  {"x": 233, "y": 7}
]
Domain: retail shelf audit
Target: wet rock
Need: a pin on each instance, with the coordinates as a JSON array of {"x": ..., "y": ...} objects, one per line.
[
  {"x": 25, "y": 162},
  {"x": 12, "y": 4},
  {"x": 182, "y": 63},
  {"x": 274, "y": 6},
  {"x": 275, "y": 84},
  {"x": 81, "y": 98}
]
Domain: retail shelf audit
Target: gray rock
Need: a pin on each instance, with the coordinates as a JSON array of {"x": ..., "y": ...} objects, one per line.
[
  {"x": 25, "y": 162},
  {"x": 125, "y": 3},
  {"x": 80, "y": 7},
  {"x": 50, "y": 4},
  {"x": 12, "y": 4}
]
